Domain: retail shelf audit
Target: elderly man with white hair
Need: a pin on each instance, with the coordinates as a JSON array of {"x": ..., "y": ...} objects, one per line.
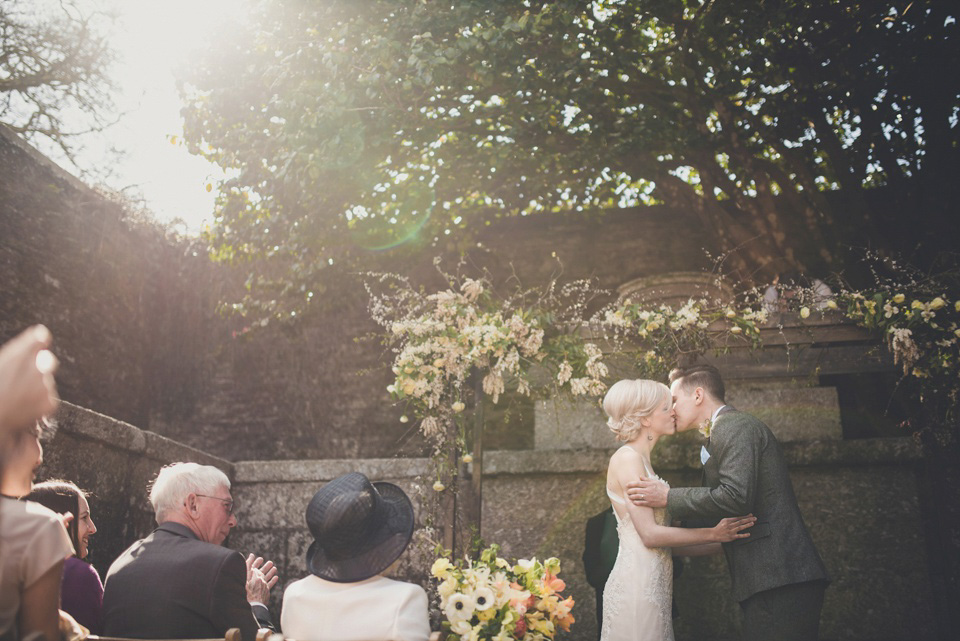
[{"x": 180, "y": 582}]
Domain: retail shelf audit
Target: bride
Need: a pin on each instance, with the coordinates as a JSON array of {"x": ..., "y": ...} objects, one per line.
[{"x": 638, "y": 594}]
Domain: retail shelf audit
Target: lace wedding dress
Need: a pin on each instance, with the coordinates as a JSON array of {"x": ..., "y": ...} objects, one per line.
[{"x": 638, "y": 595}]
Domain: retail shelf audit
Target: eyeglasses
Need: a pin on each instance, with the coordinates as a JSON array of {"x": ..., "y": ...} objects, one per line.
[{"x": 230, "y": 504}]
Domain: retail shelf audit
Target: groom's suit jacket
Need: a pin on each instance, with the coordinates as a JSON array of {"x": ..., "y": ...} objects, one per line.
[{"x": 747, "y": 474}]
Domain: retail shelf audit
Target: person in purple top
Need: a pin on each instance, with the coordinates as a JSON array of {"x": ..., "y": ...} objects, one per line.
[{"x": 81, "y": 591}]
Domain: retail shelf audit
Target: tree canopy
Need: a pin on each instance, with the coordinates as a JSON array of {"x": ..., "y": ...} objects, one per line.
[
  {"x": 54, "y": 58},
  {"x": 366, "y": 125}
]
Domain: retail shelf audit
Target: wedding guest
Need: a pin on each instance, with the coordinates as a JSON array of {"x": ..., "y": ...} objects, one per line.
[
  {"x": 360, "y": 529},
  {"x": 33, "y": 546},
  {"x": 81, "y": 592},
  {"x": 180, "y": 582},
  {"x": 599, "y": 554}
]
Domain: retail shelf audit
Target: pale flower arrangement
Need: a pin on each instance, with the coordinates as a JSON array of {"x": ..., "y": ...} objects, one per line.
[
  {"x": 490, "y": 598},
  {"x": 441, "y": 339}
]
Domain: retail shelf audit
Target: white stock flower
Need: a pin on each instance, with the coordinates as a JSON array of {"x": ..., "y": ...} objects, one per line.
[
  {"x": 493, "y": 386},
  {"x": 431, "y": 427},
  {"x": 460, "y": 626},
  {"x": 445, "y": 589},
  {"x": 472, "y": 289},
  {"x": 566, "y": 371}
]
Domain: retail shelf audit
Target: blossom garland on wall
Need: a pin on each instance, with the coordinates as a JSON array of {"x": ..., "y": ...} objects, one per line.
[
  {"x": 442, "y": 339},
  {"x": 534, "y": 342},
  {"x": 922, "y": 331}
]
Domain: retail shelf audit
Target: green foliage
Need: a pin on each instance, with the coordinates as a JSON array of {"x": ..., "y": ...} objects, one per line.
[{"x": 360, "y": 127}]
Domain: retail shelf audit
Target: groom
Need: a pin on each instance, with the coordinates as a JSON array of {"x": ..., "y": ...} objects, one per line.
[{"x": 778, "y": 576}]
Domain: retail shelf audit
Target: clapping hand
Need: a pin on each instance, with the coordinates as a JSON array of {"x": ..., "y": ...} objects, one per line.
[
  {"x": 27, "y": 388},
  {"x": 261, "y": 577}
]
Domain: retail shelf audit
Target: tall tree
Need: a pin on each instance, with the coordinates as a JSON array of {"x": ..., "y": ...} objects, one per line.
[
  {"x": 54, "y": 58},
  {"x": 370, "y": 123}
]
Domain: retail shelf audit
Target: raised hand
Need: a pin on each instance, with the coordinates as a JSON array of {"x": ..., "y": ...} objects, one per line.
[
  {"x": 261, "y": 577},
  {"x": 28, "y": 391}
]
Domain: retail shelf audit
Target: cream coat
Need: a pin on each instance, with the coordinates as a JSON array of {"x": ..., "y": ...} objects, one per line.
[{"x": 376, "y": 609}]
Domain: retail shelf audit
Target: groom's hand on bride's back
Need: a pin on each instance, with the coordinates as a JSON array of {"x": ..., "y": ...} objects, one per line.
[{"x": 648, "y": 492}]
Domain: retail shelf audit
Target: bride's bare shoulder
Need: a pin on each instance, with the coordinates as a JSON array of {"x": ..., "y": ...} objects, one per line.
[{"x": 626, "y": 455}]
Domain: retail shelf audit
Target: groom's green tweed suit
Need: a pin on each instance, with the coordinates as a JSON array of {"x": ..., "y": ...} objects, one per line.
[{"x": 747, "y": 474}]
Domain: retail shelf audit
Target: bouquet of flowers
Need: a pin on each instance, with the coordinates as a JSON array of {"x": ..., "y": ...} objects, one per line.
[{"x": 492, "y": 599}]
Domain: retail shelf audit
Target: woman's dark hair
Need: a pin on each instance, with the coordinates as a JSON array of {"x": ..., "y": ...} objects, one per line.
[{"x": 61, "y": 497}]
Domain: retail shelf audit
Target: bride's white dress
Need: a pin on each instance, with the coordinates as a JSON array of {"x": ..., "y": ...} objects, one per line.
[{"x": 638, "y": 595}]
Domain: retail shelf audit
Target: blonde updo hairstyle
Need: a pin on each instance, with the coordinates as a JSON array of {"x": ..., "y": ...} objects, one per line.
[{"x": 630, "y": 400}]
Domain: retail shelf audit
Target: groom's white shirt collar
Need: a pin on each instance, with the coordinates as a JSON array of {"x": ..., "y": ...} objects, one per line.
[{"x": 713, "y": 419}]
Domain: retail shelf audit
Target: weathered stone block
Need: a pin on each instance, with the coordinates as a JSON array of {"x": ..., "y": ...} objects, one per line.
[{"x": 793, "y": 413}]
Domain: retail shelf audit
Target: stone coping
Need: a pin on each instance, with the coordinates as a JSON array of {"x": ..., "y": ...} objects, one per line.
[
  {"x": 327, "y": 469},
  {"x": 86, "y": 424},
  {"x": 673, "y": 457}
]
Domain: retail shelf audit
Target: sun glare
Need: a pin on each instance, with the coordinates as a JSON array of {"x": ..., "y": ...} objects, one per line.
[{"x": 152, "y": 39}]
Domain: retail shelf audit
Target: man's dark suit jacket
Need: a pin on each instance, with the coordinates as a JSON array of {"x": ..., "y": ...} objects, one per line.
[
  {"x": 171, "y": 585},
  {"x": 600, "y": 546},
  {"x": 746, "y": 473}
]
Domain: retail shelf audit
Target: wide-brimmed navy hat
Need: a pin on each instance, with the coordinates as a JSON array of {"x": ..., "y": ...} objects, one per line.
[{"x": 359, "y": 528}]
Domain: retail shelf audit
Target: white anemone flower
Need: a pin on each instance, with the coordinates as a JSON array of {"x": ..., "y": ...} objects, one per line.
[
  {"x": 483, "y": 598},
  {"x": 460, "y": 607}
]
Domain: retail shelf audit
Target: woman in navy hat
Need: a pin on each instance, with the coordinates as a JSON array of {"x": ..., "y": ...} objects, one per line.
[{"x": 359, "y": 529}]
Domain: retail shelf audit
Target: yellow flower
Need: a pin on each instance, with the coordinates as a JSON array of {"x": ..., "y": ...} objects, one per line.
[
  {"x": 899, "y": 298},
  {"x": 956, "y": 306},
  {"x": 458, "y": 407},
  {"x": 937, "y": 303},
  {"x": 654, "y": 326},
  {"x": 730, "y": 313},
  {"x": 916, "y": 305},
  {"x": 804, "y": 312},
  {"x": 486, "y": 615},
  {"x": 467, "y": 458},
  {"x": 404, "y": 419},
  {"x": 736, "y": 329},
  {"x": 438, "y": 486},
  {"x": 832, "y": 304},
  {"x": 441, "y": 568}
]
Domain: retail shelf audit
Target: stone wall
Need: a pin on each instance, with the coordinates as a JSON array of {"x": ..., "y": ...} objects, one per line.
[
  {"x": 860, "y": 499},
  {"x": 537, "y": 503}
]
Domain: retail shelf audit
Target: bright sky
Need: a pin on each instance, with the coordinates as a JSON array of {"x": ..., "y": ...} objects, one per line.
[{"x": 151, "y": 38}]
